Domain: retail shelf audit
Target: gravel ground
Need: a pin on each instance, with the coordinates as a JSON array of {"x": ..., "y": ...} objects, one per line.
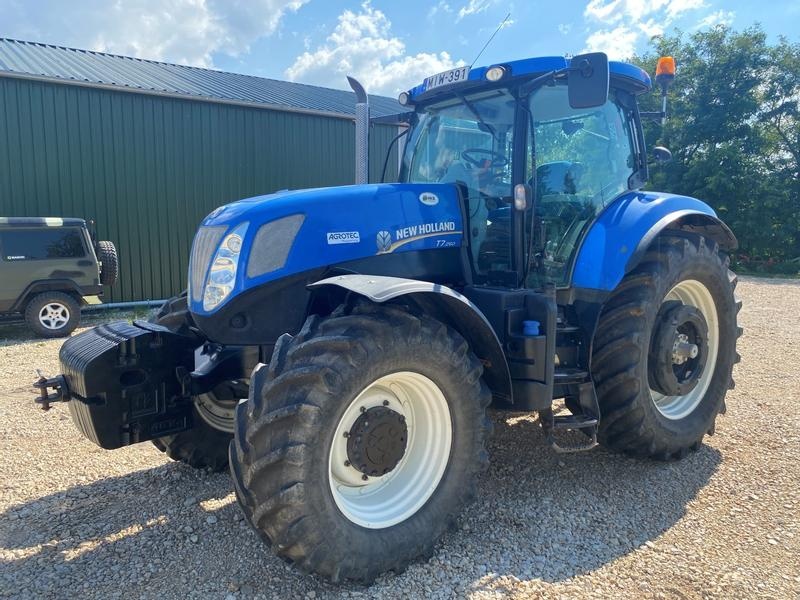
[{"x": 76, "y": 520}]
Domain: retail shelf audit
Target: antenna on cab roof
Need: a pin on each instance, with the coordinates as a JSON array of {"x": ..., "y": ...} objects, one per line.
[{"x": 489, "y": 41}]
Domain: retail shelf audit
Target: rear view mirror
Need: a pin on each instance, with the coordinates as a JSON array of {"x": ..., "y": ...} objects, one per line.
[
  {"x": 661, "y": 155},
  {"x": 588, "y": 80}
]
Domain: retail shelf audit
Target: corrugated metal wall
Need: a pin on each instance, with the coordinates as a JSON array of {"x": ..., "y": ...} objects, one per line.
[{"x": 147, "y": 169}]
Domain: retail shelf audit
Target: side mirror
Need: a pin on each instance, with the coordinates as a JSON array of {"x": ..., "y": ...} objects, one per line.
[
  {"x": 588, "y": 80},
  {"x": 661, "y": 155}
]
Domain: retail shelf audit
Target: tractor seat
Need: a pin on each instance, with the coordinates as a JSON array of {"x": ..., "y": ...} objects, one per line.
[{"x": 559, "y": 177}]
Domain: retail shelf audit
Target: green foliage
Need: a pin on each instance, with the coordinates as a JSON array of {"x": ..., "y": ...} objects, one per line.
[{"x": 734, "y": 132}]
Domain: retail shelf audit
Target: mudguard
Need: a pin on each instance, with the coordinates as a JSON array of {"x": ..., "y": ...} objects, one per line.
[
  {"x": 618, "y": 239},
  {"x": 453, "y": 308}
]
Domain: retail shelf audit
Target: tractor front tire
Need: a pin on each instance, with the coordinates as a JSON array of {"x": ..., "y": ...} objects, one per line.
[
  {"x": 657, "y": 400},
  {"x": 361, "y": 441},
  {"x": 203, "y": 446}
]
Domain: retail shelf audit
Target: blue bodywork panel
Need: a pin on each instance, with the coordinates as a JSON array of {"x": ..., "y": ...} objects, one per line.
[
  {"x": 631, "y": 74},
  {"x": 343, "y": 224},
  {"x": 614, "y": 237}
]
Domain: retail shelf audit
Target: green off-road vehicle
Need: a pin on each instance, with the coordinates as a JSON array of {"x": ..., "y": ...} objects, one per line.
[{"x": 47, "y": 267}]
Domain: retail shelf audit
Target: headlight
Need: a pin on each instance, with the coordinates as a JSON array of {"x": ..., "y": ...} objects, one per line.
[{"x": 222, "y": 274}]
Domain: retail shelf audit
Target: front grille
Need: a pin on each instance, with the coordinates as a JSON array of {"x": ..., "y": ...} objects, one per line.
[{"x": 205, "y": 243}]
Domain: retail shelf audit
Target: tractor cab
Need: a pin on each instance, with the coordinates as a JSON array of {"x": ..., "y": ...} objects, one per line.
[{"x": 524, "y": 124}]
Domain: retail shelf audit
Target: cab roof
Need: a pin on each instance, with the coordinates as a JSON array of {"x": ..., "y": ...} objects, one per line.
[
  {"x": 41, "y": 222},
  {"x": 622, "y": 74}
]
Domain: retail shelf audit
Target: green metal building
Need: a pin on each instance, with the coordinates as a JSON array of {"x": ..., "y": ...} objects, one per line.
[{"x": 147, "y": 149}]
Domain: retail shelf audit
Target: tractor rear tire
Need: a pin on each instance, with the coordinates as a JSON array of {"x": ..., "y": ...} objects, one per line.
[
  {"x": 202, "y": 446},
  {"x": 683, "y": 273},
  {"x": 305, "y": 489}
]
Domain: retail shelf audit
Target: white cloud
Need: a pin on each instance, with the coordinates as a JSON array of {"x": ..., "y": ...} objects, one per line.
[
  {"x": 677, "y": 7},
  {"x": 441, "y": 7},
  {"x": 564, "y": 28},
  {"x": 181, "y": 31},
  {"x": 362, "y": 45},
  {"x": 720, "y": 17},
  {"x": 473, "y": 7},
  {"x": 618, "y": 43},
  {"x": 624, "y": 24}
]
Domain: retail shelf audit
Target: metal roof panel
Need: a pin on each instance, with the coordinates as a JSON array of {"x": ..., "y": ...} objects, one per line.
[{"x": 99, "y": 68}]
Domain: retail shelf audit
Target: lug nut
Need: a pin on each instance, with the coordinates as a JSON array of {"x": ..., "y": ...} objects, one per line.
[
  {"x": 364, "y": 477},
  {"x": 347, "y": 434},
  {"x": 347, "y": 463},
  {"x": 386, "y": 403},
  {"x": 363, "y": 409}
]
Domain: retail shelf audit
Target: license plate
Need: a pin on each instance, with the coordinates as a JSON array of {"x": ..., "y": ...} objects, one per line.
[{"x": 446, "y": 78}]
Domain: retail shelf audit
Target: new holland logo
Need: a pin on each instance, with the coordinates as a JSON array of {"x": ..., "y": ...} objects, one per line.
[
  {"x": 384, "y": 241},
  {"x": 429, "y": 198}
]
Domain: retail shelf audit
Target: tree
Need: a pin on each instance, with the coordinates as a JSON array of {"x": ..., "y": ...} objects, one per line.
[{"x": 733, "y": 129}]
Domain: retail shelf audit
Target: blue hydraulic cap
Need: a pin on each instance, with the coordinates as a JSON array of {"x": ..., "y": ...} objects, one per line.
[
  {"x": 530, "y": 328},
  {"x": 462, "y": 77}
]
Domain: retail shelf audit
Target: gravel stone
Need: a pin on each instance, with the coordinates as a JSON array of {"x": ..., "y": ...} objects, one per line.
[{"x": 78, "y": 521}]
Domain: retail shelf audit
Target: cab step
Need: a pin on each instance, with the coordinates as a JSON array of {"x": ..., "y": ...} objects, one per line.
[
  {"x": 569, "y": 375},
  {"x": 586, "y": 420}
]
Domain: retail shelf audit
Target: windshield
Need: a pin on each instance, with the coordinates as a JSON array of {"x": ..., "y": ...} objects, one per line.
[
  {"x": 464, "y": 140},
  {"x": 468, "y": 140}
]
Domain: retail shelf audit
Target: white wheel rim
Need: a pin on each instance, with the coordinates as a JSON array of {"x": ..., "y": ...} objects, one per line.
[
  {"x": 381, "y": 502},
  {"x": 219, "y": 414},
  {"x": 692, "y": 293},
  {"x": 53, "y": 315}
]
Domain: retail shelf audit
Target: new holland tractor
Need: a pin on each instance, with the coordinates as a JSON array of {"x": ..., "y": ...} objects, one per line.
[{"x": 339, "y": 347}]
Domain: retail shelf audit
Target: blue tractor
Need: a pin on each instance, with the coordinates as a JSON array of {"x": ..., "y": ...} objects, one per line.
[{"x": 338, "y": 348}]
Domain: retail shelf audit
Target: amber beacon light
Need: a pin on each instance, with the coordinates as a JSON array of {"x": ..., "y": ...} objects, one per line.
[{"x": 665, "y": 71}]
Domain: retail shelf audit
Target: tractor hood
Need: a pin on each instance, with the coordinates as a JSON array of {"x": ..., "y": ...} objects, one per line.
[{"x": 290, "y": 232}]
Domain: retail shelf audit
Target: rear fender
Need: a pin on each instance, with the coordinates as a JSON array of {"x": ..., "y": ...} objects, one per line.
[
  {"x": 619, "y": 238},
  {"x": 444, "y": 304}
]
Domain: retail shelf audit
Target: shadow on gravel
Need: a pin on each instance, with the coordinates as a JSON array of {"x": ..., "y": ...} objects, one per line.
[
  {"x": 538, "y": 516},
  {"x": 553, "y": 517}
]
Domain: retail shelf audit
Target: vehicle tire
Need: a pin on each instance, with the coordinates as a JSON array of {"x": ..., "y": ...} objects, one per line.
[
  {"x": 53, "y": 314},
  {"x": 303, "y": 443},
  {"x": 109, "y": 263},
  {"x": 659, "y": 396},
  {"x": 205, "y": 446}
]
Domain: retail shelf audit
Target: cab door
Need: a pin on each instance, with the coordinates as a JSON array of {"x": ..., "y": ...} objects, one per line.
[{"x": 584, "y": 160}]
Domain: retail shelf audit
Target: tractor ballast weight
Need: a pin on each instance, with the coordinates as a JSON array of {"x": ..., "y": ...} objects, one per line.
[{"x": 339, "y": 347}]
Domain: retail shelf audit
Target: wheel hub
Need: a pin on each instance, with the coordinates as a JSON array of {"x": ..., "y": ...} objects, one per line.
[
  {"x": 679, "y": 349},
  {"x": 377, "y": 441}
]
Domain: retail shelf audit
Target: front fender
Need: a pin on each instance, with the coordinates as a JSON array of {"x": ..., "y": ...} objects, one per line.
[
  {"x": 618, "y": 239},
  {"x": 445, "y": 304}
]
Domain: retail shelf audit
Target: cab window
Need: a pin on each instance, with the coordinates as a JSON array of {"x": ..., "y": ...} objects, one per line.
[
  {"x": 583, "y": 160},
  {"x": 38, "y": 244}
]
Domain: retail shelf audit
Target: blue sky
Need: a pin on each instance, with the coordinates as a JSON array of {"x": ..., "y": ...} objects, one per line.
[{"x": 389, "y": 46}]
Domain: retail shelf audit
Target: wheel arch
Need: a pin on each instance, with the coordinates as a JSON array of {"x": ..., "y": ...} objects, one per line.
[
  {"x": 65, "y": 286},
  {"x": 444, "y": 304},
  {"x": 617, "y": 241}
]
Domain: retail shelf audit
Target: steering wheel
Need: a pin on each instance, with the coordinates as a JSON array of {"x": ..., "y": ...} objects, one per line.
[{"x": 498, "y": 160}]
